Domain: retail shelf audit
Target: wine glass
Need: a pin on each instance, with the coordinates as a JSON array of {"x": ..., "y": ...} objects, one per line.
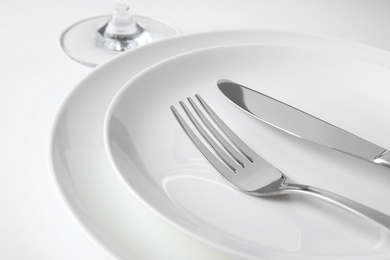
[{"x": 94, "y": 40}]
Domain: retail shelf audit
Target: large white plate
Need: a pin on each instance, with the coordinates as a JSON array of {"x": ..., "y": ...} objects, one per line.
[{"x": 108, "y": 209}]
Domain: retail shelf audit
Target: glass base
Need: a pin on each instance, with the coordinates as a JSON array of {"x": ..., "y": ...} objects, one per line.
[{"x": 79, "y": 40}]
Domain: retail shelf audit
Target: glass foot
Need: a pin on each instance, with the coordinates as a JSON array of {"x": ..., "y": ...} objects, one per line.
[{"x": 83, "y": 43}]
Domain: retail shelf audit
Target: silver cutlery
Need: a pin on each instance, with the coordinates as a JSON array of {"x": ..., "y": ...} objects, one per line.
[
  {"x": 301, "y": 124},
  {"x": 248, "y": 171}
]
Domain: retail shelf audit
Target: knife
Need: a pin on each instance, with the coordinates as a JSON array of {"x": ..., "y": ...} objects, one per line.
[{"x": 302, "y": 124}]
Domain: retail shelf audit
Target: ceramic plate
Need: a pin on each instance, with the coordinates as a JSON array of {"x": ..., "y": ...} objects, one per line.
[
  {"x": 158, "y": 162},
  {"x": 109, "y": 211}
]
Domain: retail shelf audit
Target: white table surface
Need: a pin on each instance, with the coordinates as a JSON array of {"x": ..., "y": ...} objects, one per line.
[{"x": 36, "y": 76}]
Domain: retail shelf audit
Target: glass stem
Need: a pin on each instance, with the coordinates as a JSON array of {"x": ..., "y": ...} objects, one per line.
[{"x": 121, "y": 31}]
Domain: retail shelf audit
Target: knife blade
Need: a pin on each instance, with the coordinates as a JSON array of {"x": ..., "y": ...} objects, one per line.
[{"x": 301, "y": 124}]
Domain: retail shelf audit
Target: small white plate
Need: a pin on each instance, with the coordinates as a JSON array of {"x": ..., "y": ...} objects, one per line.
[
  {"x": 98, "y": 199},
  {"x": 158, "y": 161}
]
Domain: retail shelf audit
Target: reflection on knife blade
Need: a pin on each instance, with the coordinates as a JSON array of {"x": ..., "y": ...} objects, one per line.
[{"x": 301, "y": 124}]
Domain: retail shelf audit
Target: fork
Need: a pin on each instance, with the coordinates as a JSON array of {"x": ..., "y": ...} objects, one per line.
[{"x": 248, "y": 171}]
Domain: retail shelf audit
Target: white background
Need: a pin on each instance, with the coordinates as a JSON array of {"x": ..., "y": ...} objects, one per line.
[{"x": 36, "y": 76}]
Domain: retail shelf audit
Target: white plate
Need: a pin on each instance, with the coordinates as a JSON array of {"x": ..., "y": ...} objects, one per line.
[
  {"x": 98, "y": 198},
  {"x": 156, "y": 159}
]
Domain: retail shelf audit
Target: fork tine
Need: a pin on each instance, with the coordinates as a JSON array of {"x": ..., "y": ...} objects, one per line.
[
  {"x": 221, "y": 167},
  {"x": 240, "y": 159},
  {"x": 217, "y": 148},
  {"x": 238, "y": 143}
]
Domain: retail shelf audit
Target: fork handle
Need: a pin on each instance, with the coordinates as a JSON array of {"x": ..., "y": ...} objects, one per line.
[{"x": 340, "y": 201}]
